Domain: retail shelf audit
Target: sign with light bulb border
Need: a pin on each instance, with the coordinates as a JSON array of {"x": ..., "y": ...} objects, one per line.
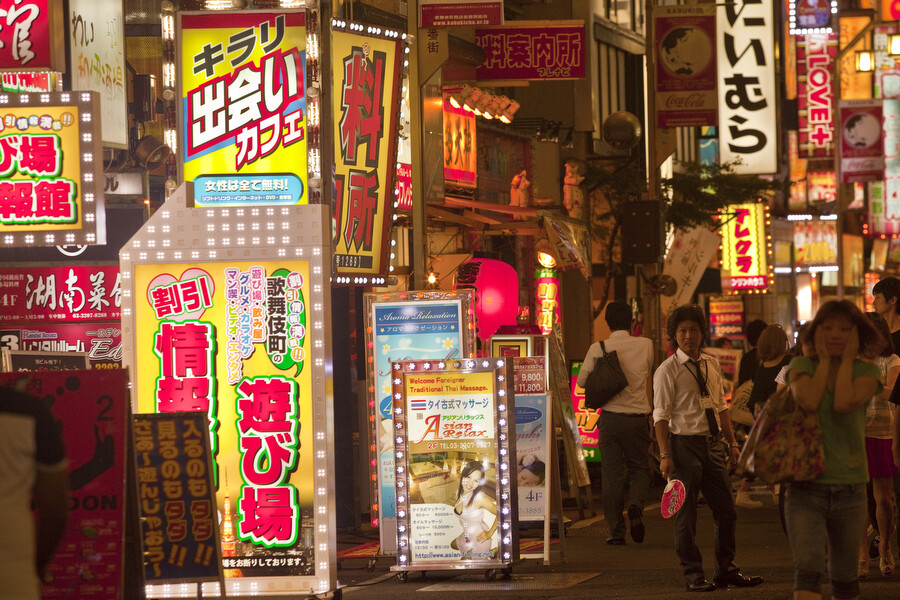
[
  {"x": 454, "y": 447},
  {"x": 51, "y": 169},
  {"x": 228, "y": 312}
]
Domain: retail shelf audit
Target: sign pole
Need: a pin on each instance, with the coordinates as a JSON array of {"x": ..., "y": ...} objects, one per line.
[{"x": 650, "y": 300}]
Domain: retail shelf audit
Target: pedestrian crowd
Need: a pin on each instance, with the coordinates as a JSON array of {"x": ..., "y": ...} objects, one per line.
[{"x": 842, "y": 367}]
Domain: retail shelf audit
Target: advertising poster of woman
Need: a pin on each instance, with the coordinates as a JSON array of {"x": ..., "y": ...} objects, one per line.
[{"x": 456, "y": 468}]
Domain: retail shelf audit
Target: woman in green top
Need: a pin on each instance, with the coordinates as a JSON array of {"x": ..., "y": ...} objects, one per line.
[{"x": 832, "y": 508}]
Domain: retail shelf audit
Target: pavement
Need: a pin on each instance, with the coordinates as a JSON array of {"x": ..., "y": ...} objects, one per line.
[{"x": 593, "y": 569}]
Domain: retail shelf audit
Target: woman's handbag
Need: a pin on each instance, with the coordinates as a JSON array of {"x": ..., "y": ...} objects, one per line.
[
  {"x": 740, "y": 409},
  {"x": 605, "y": 381},
  {"x": 785, "y": 443}
]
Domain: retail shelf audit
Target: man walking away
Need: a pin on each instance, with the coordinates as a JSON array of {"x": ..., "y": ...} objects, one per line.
[{"x": 623, "y": 425}]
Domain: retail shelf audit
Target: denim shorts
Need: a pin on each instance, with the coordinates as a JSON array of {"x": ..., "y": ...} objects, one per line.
[{"x": 816, "y": 515}]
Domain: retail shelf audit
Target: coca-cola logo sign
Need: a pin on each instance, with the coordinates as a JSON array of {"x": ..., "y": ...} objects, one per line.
[{"x": 688, "y": 101}]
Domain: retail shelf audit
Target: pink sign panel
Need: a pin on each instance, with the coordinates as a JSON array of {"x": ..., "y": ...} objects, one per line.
[
  {"x": 403, "y": 186},
  {"x": 101, "y": 341},
  {"x": 91, "y": 408},
  {"x": 815, "y": 98},
  {"x": 25, "y": 41},
  {"x": 60, "y": 294},
  {"x": 685, "y": 65},
  {"x": 460, "y": 13},
  {"x": 862, "y": 150},
  {"x": 553, "y": 50}
]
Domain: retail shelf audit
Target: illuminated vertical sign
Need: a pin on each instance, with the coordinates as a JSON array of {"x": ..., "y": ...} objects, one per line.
[
  {"x": 547, "y": 300},
  {"x": 815, "y": 100},
  {"x": 460, "y": 149},
  {"x": 240, "y": 333},
  {"x": 51, "y": 169},
  {"x": 748, "y": 112},
  {"x": 366, "y": 104},
  {"x": 243, "y": 116},
  {"x": 97, "y": 61},
  {"x": 587, "y": 418},
  {"x": 746, "y": 246}
]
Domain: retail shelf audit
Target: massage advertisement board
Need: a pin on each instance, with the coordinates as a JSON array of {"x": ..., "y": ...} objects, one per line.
[
  {"x": 406, "y": 326},
  {"x": 454, "y": 449}
]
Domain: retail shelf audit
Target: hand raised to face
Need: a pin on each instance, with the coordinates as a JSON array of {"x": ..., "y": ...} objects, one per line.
[
  {"x": 851, "y": 349},
  {"x": 819, "y": 342}
]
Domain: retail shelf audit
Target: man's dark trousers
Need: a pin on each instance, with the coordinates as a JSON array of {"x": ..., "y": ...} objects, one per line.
[
  {"x": 701, "y": 467},
  {"x": 624, "y": 442}
]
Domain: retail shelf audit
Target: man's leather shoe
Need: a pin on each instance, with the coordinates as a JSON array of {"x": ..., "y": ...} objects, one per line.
[
  {"x": 637, "y": 524},
  {"x": 738, "y": 580},
  {"x": 700, "y": 585},
  {"x": 615, "y": 541}
]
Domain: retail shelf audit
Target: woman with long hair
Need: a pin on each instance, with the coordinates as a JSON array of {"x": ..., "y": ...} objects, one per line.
[
  {"x": 830, "y": 511},
  {"x": 879, "y": 439},
  {"x": 772, "y": 349},
  {"x": 474, "y": 543}
]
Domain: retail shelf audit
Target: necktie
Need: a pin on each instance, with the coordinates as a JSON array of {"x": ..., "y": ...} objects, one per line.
[{"x": 704, "y": 392}]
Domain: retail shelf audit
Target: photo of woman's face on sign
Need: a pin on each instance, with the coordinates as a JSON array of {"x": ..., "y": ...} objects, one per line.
[{"x": 454, "y": 508}]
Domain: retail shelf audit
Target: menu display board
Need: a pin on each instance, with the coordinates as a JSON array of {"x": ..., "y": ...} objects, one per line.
[
  {"x": 406, "y": 326},
  {"x": 176, "y": 494},
  {"x": 91, "y": 407},
  {"x": 533, "y": 427},
  {"x": 456, "y": 494}
]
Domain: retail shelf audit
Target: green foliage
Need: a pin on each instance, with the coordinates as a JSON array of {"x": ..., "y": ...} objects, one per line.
[
  {"x": 699, "y": 192},
  {"x": 695, "y": 193}
]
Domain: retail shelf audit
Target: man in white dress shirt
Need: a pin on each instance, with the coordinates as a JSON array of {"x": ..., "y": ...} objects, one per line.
[
  {"x": 690, "y": 417},
  {"x": 624, "y": 426}
]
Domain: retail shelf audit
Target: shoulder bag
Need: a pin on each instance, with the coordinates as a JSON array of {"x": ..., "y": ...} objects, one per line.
[
  {"x": 740, "y": 409},
  {"x": 785, "y": 443},
  {"x": 605, "y": 381}
]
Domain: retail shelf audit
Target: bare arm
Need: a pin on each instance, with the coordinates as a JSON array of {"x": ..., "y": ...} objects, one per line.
[
  {"x": 662, "y": 439},
  {"x": 849, "y": 393},
  {"x": 489, "y": 505},
  {"x": 892, "y": 374},
  {"x": 51, "y": 499}
]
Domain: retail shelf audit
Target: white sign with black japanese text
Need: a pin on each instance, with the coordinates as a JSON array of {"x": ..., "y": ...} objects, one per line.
[{"x": 748, "y": 116}]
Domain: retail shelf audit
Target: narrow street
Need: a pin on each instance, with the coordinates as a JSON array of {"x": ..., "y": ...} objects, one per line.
[{"x": 592, "y": 569}]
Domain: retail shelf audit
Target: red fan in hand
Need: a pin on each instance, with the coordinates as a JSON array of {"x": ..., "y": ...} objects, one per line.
[{"x": 672, "y": 498}]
